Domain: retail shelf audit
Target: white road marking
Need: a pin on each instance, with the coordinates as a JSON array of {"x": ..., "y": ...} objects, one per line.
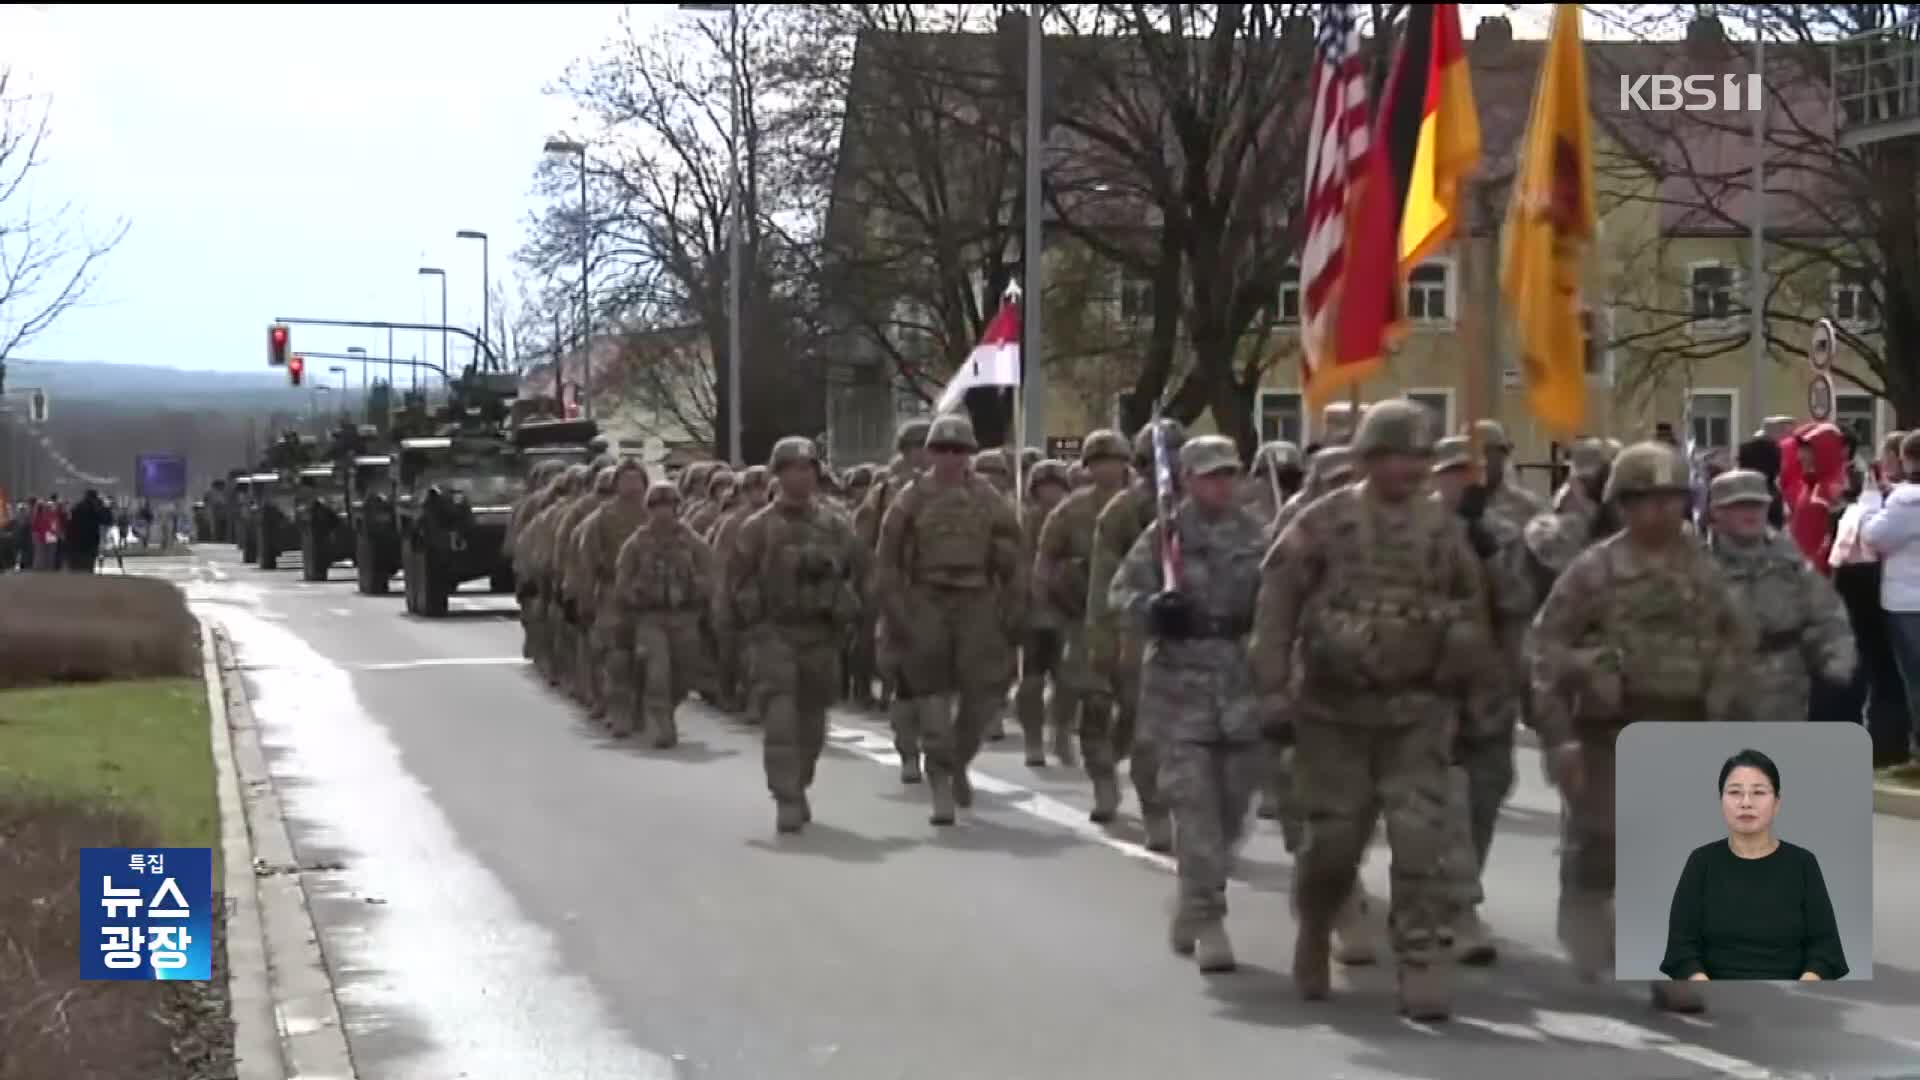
[
  {"x": 340, "y": 611},
  {"x": 446, "y": 661},
  {"x": 449, "y": 946}
]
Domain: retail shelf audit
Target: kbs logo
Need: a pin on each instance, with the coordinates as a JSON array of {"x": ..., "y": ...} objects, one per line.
[{"x": 1693, "y": 93}]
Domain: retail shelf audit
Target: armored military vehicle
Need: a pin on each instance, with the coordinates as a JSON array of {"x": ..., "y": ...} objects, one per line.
[
  {"x": 276, "y": 498},
  {"x": 376, "y": 546},
  {"x": 240, "y": 514},
  {"x": 327, "y": 504}
]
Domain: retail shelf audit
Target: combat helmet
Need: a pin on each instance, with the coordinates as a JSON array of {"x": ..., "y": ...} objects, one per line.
[
  {"x": 1396, "y": 426},
  {"x": 628, "y": 465},
  {"x": 662, "y": 491},
  {"x": 719, "y": 478},
  {"x": 860, "y": 477},
  {"x": 1029, "y": 457},
  {"x": 1048, "y": 472},
  {"x": 1330, "y": 467},
  {"x": 1143, "y": 440},
  {"x": 912, "y": 435},
  {"x": 576, "y": 479},
  {"x": 1276, "y": 455},
  {"x": 753, "y": 478},
  {"x": 954, "y": 431},
  {"x": 1648, "y": 468},
  {"x": 1590, "y": 456},
  {"x": 1104, "y": 444},
  {"x": 993, "y": 462},
  {"x": 605, "y": 479},
  {"x": 1452, "y": 452},
  {"x": 543, "y": 473},
  {"x": 792, "y": 450}
]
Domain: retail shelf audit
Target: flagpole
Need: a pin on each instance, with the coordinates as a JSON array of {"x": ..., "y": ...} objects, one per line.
[{"x": 1473, "y": 339}]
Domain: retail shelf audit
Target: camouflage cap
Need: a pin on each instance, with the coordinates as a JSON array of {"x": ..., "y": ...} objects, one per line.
[
  {"x": 1048, "y": 472},
  {"x": 1209, "y": 454},
  {"x": 661, "y": 491},
  {"x": 719, "y": 478},
  {"x": 1492, "y": 435},
  {"x": 1589, "y": 456},
  {"x": 1395, "y": 426},
  {"x": 754, "y": 477},
  {"x": 1104, "y": 444},
  {"x": 792, "y": 450},
  {"x": 1736, "y": 486},
  {"x": 912, "y": 435},
  {"x": 1452, "y": 452},
  {"x": 993, "y": 462},
  {"x": 954, "y": 431},
  {"x": 1143, "y": 439},
  {"x": 1279, "y": 454},
  {"x": 1647, "y": 468}
]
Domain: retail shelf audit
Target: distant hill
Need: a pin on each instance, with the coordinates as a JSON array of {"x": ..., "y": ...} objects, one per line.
[{"x": 139, "y": 384}]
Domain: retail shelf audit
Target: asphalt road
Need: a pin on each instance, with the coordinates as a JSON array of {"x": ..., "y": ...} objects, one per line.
[{"x": 503, "y": 894}]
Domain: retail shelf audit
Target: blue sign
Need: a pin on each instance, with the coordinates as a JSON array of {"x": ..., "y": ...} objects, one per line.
[
  {"x": 160, "y": 476},
  {"x": 146, "y": 914}
]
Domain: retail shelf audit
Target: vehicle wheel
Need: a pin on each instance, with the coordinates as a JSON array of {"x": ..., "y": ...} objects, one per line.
[
  {"x": 265, "y": 557},
  {"x": 313, "y": 563},
  {"x": 501, "y": 583},
  {"x": 246, "y": 547},
  {"x": 372, "y": 577},
  {"x": 410, "y": 576},
  {"x": 435, "y": 587}
]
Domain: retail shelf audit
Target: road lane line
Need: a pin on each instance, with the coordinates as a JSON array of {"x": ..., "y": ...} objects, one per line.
[{"x": 443, "y": 661}]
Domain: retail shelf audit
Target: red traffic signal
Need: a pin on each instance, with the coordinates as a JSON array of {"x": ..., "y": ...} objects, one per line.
[
  {"x": 279, "y": 340},
  {"x": 296, "y": 369}
]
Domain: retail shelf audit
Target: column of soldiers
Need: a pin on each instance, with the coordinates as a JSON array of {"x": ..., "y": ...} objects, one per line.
[{"x": 1352, "y": 637}]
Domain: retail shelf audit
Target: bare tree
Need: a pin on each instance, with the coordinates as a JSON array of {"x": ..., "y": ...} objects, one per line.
[
  {"x": 1841, "y": 221},
  {"x": 48, "y": 259}
]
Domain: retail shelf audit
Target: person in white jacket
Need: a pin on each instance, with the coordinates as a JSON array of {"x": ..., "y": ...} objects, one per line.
[{"x": 1889, "y": 525}]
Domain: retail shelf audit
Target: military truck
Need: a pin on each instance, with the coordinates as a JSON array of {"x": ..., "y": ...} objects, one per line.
[
  {"x": 376, "y": 543},
  {"x": 276, "y": 498}
]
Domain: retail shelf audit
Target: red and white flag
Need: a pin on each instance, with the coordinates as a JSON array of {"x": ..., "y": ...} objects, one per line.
[{"x": 993, "y": 362}]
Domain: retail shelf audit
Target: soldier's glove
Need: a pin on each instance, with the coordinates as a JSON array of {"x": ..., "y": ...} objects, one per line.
[
  {"x": 1481, "y": 540},
  {"x": 1276, "y": 719},
  {"x": 1170, "y": 616}
]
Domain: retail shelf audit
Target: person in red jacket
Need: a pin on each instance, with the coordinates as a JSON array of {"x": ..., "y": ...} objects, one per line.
[
  {"x": 49, "y": 525},
  {"x": 1813, "y": 477}
]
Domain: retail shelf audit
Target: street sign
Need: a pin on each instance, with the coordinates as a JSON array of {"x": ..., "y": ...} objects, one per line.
[
  {"x": 1063, "y": 447},
  {"x": 1820, "y": 350},
  {"x": 1820, "y": 398}
]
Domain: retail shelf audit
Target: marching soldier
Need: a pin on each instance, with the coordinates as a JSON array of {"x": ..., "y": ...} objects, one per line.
[
  {"x": 795, "y": 575},
  {"x": 1371, "y": 626},
  {"x": 1800, "y": 625},
  {"x": 1196, "y": 688},
  {"x": 949, "y": 578},
  {"x": 1641, "y": 626},
  {"x": 996, "y": 467},
  {"x": 1482, "y": 772},
  {"x": 1580, "y": 516},
  {"x": 1061, "y": 564},
  {"x": 728, "y": 647},
  {"x": 541, "y": 484},
  {"x": 721, "y": 490},
  {"x": 909, "y": 461},
  {"x": 1044, "y": 637},
  {"x": 1338, "y": 420},
  {"x": 582, "y": 604},
  {"x": 535, "y": 545},
  {"x": 1115, "y": 650},
  {"x": 663, "y": 586},
  {"x": 555, "y": 549},
  {"x": 591, "y": 577},
  {"x": 1506, "y": 499}
]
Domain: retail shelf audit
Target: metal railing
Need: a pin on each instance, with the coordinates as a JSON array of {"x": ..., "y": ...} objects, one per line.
[{"x": 1875, "y": 80}]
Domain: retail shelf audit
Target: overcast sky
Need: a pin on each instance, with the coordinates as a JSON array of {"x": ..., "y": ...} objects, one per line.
[{"x": 298, "y": 161}]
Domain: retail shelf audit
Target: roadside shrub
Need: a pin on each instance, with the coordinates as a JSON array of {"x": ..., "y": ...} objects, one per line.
[{"x": 70, "y": 628}]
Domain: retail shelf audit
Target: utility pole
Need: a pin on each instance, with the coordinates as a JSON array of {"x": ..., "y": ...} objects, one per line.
[
  {"x": 1032, "y": 377},
  {"x": 1757, "y": 392}
]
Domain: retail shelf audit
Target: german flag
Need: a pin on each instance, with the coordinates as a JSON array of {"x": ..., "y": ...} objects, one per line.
[{"x": 1430, "y": 128}]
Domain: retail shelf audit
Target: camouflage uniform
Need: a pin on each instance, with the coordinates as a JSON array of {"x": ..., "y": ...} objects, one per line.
[
  {"x": 794, "y": 580},
  {"x": 1276, "y": 477},
  {"x": 556, "y": 548},
  {"x": 591, "y": 575},
  {"x": 721, "y": 489},
  {"x": 1553, "y": 538},
  {"x": 1800, "y": 625},
  {"x": 533, "y": 556},
  {"x": 996, "y": 467},
  {"x": 1507, "y": 501},
  {"x": 663, "y": 587},
  {"x": 1371, "y": 627},
  {"x": 1196, "y": 692},
  {"x": 949, "y": 575},
  {"x": 541, "y": 485},
  {"x": 910, "y": 441},
  {"x": 1044, "y": 637},
  {"x": 581, "y": 668},
  {"x": 1482, "y": 775},
  {"x": 1114, "y": 648},
  {"x": 1061, "y": 568},
  {"x": 728, "y": 651},
  {"x": 1627, "y": 634}
]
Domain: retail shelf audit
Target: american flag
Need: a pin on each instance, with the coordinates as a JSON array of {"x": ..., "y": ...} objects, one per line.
[{"x": 1335, "y": 157}]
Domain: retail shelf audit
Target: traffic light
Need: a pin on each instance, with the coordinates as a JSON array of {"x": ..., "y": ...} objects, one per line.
[
  {"x": 278, "y": 342},
  {"x": 296, "y": 369}
]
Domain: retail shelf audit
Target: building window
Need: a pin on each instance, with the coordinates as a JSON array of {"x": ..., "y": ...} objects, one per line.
[
  {"x": 1282, "y": 416},
  {"x": 1440, "y": 404},
  {"x": 1289, "y": 302},
  {"x": 1852, "y": 302},
  {"x": 1429, "y": 292},
  {"x": 1857, "y": 413},
  {"x": 1712, "y": 287},
  {"x": 1597, "y": 328},
  {"x": 1136, "y": 297},
  {"x": 1711, "y": 414}
]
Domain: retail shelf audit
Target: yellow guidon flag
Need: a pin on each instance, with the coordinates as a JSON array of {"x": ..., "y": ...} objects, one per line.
[{"x": 1550, "y": 225}]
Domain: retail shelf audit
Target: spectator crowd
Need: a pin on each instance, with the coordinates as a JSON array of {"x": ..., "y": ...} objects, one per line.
[{"x": 54, "y": 534}]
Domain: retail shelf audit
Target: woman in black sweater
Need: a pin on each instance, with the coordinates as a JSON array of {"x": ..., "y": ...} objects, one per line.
[{"x": 1752, "y": 906}]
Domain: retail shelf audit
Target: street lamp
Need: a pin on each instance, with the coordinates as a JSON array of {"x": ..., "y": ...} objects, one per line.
[
  {"x": 486, "y": 299},
  {"x": 361, "y": 352},
  {"x": 579, "y": 149},
  {"x": 735, "y": 233},
  {"x": 434, "y": 271},
  {"x": 342, "y": 372}
]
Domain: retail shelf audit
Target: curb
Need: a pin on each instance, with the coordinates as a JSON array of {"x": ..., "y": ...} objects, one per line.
[
  {"x": 1901, "y": 802},
  {"x": 286, "y": 1023}
]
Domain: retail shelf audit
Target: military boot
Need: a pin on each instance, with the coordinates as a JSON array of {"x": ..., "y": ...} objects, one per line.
[
  {"x": 1313, "y": 958},
  {"x": 1678, "y": 997},
  {"x": 1473, "y": 941},
  {"x": 789, "y": 816},
  {"x": 1426, "y": 992},
  {"x": 1159, "y": 827},
  {"x": 1106, "y": 800},
  {"x": 666, "y": 731},
  {"x": 1183, "y": 932},
  {"x": 940, "y": 787},
  {"x": 962, "y": 789},
  {"x": 910, "y": 769},
  {"x": 1036, "y": 747},
  {"x": 1586, "y": 932},
  {"x": 1354, "y": 941},
  {"x": 1063, "y": 747},
  {"x": 1213, "y": 951}
]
